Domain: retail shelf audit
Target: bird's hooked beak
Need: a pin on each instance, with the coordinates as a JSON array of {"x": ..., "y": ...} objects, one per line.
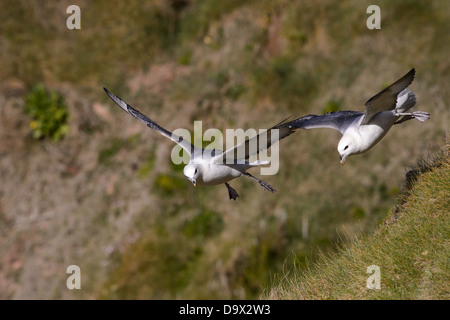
[
  {"x": 194, "y": 183},
  {"x": 342, "y": 159}
]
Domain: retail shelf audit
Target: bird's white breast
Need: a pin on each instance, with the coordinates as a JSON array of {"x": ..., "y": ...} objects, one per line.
[
  {"x": 217, "y": 174},
  {"x": 375, "y": 130}
]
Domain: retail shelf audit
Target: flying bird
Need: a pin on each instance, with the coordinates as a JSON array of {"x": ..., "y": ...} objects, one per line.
[
  {"x": 362, "y": 130},
  {"x": 211, "y": 166}
]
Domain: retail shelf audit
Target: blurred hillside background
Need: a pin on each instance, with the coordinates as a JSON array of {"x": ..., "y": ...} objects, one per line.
[{"x": 83, "y": 183}]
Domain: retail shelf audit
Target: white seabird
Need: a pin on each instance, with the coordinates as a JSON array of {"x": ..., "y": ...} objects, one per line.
[
  {"x": 208, "y": 167},
  {"x": 362, "y": 130}
]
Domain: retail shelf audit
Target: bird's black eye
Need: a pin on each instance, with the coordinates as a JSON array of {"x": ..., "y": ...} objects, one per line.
[
  {"x": 346, "y": 147},
  {"x": 195, "y": 171}
]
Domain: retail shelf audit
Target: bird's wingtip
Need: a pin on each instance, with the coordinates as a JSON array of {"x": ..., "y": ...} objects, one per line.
[
  {"x": 108, "y": 92},
  {"x": 413, "y": 72}
]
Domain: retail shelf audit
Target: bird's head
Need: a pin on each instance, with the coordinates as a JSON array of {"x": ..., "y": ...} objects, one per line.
[
  {"x": 346, "y": 148},
  {"x": 192, "y": 172}
]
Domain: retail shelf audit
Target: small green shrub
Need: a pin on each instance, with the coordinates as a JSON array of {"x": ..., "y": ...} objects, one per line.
[
  {"x": 111, "y": 150},
  {"x": 205, "y": 224},
  {"x": 168, "y": 184},
  {"x": 185, "y": 58},
  {"x": 147, "y": 166},
  {"x": 49, "y": 112},
  {"x": 358, "y": 212},
  {"x": 235, "y": 91},
  {"x": 219, "y": 78}
]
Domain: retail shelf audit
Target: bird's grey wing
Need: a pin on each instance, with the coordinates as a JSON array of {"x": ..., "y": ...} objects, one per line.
[
  {"x": 254, "y": 145},
  {"x": 186, "y": 145},
  {"x": 387, "y": 99},
  {"x": 339, "y": 120}
]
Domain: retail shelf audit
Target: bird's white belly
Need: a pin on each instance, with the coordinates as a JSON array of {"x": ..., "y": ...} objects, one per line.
[
  {"x": 219, "y": 174},
  {"x": 370, "y": 135}
]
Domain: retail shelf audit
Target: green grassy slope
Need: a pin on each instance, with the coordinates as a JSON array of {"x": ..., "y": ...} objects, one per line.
[{"x": 411, "y": 248}]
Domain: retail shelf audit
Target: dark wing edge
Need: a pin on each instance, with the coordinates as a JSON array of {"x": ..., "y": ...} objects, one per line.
[{"x": 186, "y": 145}]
